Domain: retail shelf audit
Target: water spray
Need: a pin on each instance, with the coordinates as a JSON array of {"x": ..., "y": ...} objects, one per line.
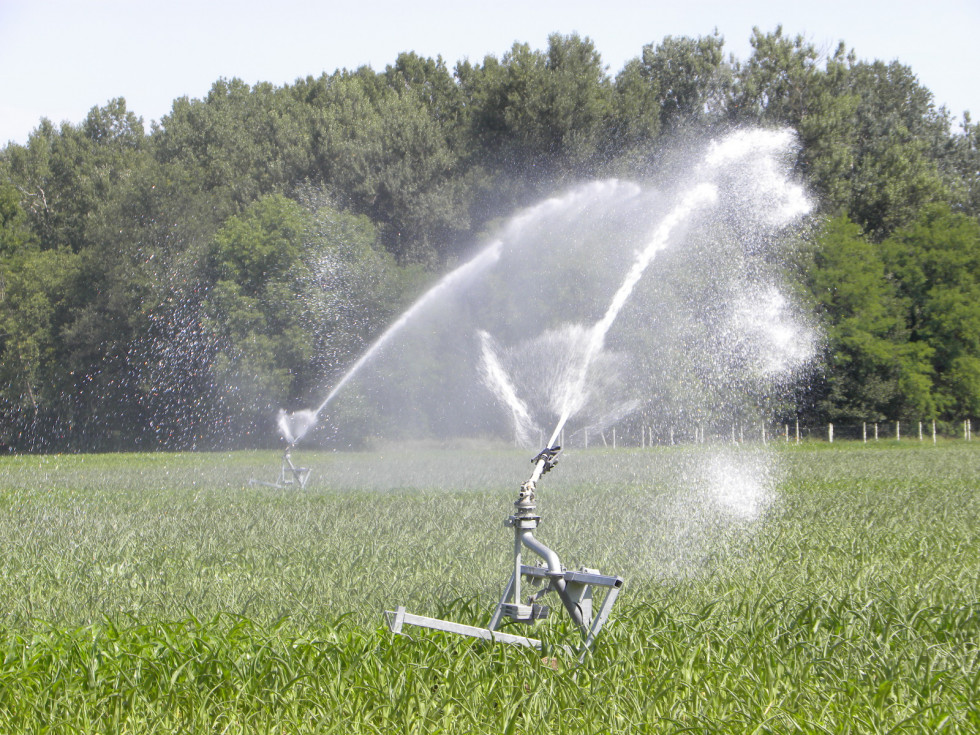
[
  {"x": 739, "y": 180},
  {"x": 573, "y": 588}
]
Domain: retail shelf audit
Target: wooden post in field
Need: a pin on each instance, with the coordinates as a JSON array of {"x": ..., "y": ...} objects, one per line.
[
  {"x": 920, "y": 431},
  {"x": 786, "y": 432},
  {"x": 898, "y": 430},
  {"x": 797, "y": 431},
  {"x": 764, "y": 435},
  {"x": 586, "y": 437},
  {"x": 614, "y": 437},
  {"x": 934, "y": 431},
  {"x": 672, "y": 435},
  {"x": 876, "y": 431},
  {"x": 650, "y": 434},
  {"x": 830, "y": 433},
  {"x": 864, "y": 431}
]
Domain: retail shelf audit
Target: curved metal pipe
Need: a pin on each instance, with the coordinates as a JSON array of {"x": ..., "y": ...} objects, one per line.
[{"x": 554, "y": 565}]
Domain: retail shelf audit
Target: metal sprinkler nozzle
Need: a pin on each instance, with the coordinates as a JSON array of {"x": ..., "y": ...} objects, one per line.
[{"x": 548, "y": 456}]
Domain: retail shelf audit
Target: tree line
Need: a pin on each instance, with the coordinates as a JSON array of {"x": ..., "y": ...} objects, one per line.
[{"x": 168, "y": 287}]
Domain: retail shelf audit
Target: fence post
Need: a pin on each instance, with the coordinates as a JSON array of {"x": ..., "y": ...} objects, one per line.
[
  {"x": 830, "y": 433},
  {"x": 614, "y": 437},
  {"x": 898, "y": 430},
  {"x": 786, "y": 432},
  {"x": 876, "y": 431},
  {"x": 920, "y": 431},
  {"x": 764, "y": 435},
  {"x": 864, "y": 431},
  {"x": 934, "y": 431}
]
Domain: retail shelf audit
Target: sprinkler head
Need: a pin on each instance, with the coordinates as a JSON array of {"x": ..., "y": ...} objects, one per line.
[{"x": 524, "y": 517}]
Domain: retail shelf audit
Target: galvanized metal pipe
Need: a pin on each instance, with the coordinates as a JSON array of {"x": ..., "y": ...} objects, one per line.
[
  {"x": 517, "y": 570},
  {"x": 554, "y": 566}
]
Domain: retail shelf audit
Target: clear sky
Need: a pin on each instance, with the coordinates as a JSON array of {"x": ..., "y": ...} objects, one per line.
[{"x": 60, "y": 58}]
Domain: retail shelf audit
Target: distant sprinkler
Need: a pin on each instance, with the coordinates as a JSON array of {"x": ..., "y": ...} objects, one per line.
[
  {"x": 292, "y": 427},
  {"x": 574, "y": 588}
]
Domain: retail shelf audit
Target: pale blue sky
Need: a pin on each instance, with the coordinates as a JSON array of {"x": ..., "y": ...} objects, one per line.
[{"x": 59, "y": 58}]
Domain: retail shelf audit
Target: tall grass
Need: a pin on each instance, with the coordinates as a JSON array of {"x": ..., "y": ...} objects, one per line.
[{"x": 161, "y": 593}]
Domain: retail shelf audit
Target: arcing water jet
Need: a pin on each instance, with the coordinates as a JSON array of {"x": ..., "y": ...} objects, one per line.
[{"x": 781, "y": 203}]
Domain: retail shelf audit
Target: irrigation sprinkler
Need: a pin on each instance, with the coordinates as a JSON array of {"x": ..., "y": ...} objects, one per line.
[
  {"x": 575, "y": 589},
  {"x": 289, "y": 474},
  {"x": 292, "y": 427}
]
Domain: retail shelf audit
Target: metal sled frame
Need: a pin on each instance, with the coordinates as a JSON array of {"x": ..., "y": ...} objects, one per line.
[
  {"x": 289, "y": 474},
  {"x": 578, "y": 583}
]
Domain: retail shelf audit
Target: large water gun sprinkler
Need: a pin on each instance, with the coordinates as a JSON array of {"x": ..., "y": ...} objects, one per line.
[{"x": 575, "y": 589}]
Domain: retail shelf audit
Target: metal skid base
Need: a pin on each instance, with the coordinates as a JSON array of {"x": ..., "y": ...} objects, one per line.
[
  {"x": 579, "y": 586},
  {"x": 289, "y": 475}
]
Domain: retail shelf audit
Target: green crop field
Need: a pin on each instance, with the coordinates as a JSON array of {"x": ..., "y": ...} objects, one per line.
[{"x": 817, "y": 589}]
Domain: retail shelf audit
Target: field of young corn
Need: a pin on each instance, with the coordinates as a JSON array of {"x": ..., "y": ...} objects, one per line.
[{"x": 162, "y": 593}]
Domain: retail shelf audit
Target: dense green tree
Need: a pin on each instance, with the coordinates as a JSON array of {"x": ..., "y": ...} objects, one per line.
[
  {"x": 295, "y": 290},
  {"x": 254, "y": 305},
  {"x": 539, "y": 110},
  {"x": 384, "y": 148},
  {"x": 690, "y": 78},
  {"x": 636, "y": 116},
  {"x": 15, "y": 231},
  {"x": 67, "y": 176},
  {"x": 896, "y": 144},
  {"x": 963, "y": 167},
  {"x": 873, "y": 371},
  {"x": 32, "y": 295},
  {"x": 935, "y": 264},
  {"x": 236, "y": 145}
]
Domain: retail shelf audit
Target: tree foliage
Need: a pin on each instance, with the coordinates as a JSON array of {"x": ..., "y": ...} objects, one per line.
[{"x": 242, "y": 251}]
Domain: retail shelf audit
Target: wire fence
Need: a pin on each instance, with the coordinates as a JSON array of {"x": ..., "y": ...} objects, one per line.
[{"x": 867, "y": 432}]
